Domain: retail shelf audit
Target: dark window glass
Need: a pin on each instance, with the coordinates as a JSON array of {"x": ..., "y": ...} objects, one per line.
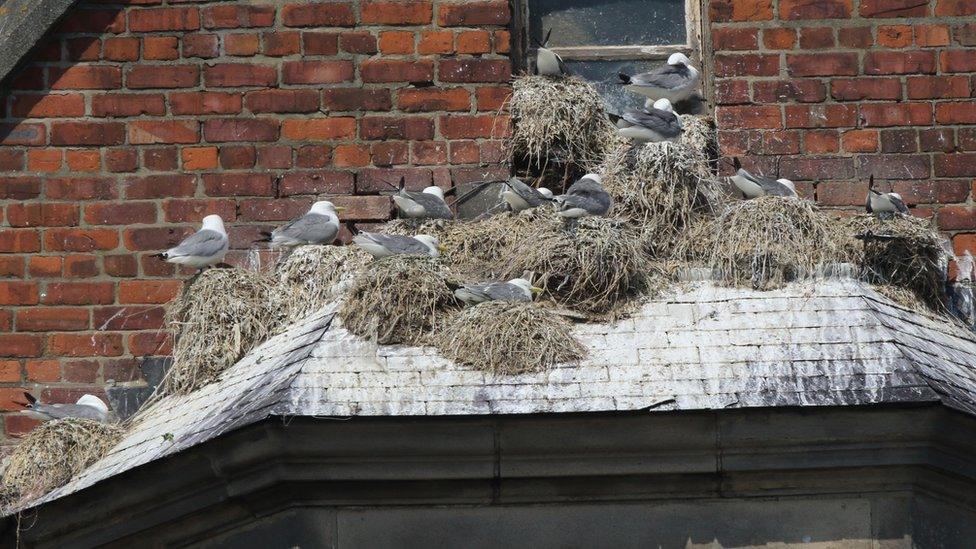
[
  {"x": 608, "y": 22},
  {"x": 603, "y": 75}
]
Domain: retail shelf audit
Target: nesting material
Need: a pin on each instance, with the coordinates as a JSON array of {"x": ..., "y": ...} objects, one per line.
[
  {"x": 397, "y": 299},
  {"x": 313, "y": 276},
  {"x": 558, "y": 120},
  {"x": 50, "y": 455},
  {"x": 663, "y": 187},
  {"x": 509, "y": 338},
  {"x": 594, "y": 265},
  {"x": 764, "y": 242},
  {"x": 221, "y": 316},
  {"x": 906, "y": 251}
]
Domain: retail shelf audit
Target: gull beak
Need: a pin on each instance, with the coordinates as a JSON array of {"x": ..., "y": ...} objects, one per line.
[
  {"x": 536, "y": 290},
  {"x": 340, "y": 208},
  {"x": 441, "y": 248}
]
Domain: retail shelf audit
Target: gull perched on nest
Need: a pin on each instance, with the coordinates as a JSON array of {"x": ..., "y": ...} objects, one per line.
[
  {"x": 675, "y": 81},
  {"x": 517, "y": 289},
  {"x": 87, "y": 407},
  {"x": 585, "y": 197},
  {"x": 884, "y": 204},
  {"x": 428, "y": 204},
  {"x": 754, "y": 186},
  {"x": 548, "y": 62},
  {"x": 206, "y": 247},
  {"x": 520, "y": 196},
  {"x": 319, "y": 226},
  {"x": 656, "y": 123},
  {"x": 384, "y": 245}
]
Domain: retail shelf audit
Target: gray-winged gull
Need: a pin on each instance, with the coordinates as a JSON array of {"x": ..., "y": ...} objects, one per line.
[
  {"x": 520, "y": 196},
  {"x": 585, "y": 197},
  {"x": 517, "y": 289},
  {"x": 675, "y": 81},
  {"x": 754, "y": 186},
  {"x": 87, "y": 407},
  {"x": 319, "y": 226},
  {"x": 548, "y": 62},
  {"x": 884, "y": 203},
  {"x": 208, "y": 246},
  {"x": 383, "y": 245},
  {"x": 428, "y": 204},
  {"x": 656, "y": 123}
]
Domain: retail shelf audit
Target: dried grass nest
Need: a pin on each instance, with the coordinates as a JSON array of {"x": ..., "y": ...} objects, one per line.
[
  {"x": 220, "y": 316},
  {"x": 397, "y": 299},
  {"x": 51, "y": 454},
  {"x": 508, "y": 338},
  {"x": 763, "y": 243},
  {"x": 560, "y": 121},
  {"x": 312, "y": 276},
  {"x": 663, "y": 187}
]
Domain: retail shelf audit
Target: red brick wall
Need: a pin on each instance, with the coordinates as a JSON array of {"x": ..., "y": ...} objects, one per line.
[
  {"x": 836, "y": 90},
  {"x": 130, "y": 124}
]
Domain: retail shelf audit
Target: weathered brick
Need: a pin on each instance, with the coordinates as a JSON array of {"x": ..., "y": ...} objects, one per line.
[
  {"x": 786, "y": 91},
  {"x": 894, "y": 8},
  {"x": 120, "y": 213},
  {"x": 388, "y": 70},
  {"x": 20, "y": 346},
  {"x": 42, "y": 214},
  {"x": 433, "y": 99},
  {"x": 937, "y": 87},
  {"x": 282, "y": 101},
  {"x": 318, "y": 72},
  {"x": 148, "y": 132},
  {"x": 204, "y": 46},
  {"x": 955, "y": 165},
  {"x": 765, "y": 116},
  {"x": 396, "y": 42},
  {"x": 233, "y": 129},
  {"x": 382, "y": 127},
  {"x": 815, "y": 38},
  {"x": 319, "y": 129},
  {"x": 280, "y": 44},
  {"x": 473, "y": 13},
  {"x": 473, "y": 126},
  {"x": 474, "y": 70},
  {"x": 865, "y": 88},
  {"x": 79, "y": 293},
  {"x": 80, "y": 188},
  {"x": 724, "y": 39},
  {"x": 889, "y": 62},
  {"x": 232, "y": 16},
  {"x": 132, "y": 104},
  {"x": 353, "y": 99},
  {"x": 953, "y": 8},
  {"x": 164, "y": 19},
  {"x": 160, "y": 48},
  {"x": 824, "y": 64},
  {"x": 162, "y": 76},
  {"x": 236, "y": 184},
  {"x": 959, "y": 60},
  {"x": 85, "y": 77},
  {"x": 814, "y": 9},
  {"x": 746, "y": 65},
  {"x": 159, "y": 186},
  {"x": 48, "y": 106},
  {"x": 80, "y": 345},
  {"x": 903, "y": 114},
  {"x": 858, "y": 141},
  {"x": 242, "y": 44},
  {"x": 87, "y": 134},
  {"x": 894, "y": 166},
  {"x": 741, "y": 10},
  {"x": 237, "y": 75},
  {"x": 316, "y": 182},
  {"x": 205, "y": 103},
  {"x": 330, "y": 14},
  {"x": 53, "y": 319},
  {"x": 821, "y": 116},
  {"x": 14, "y": 292}
]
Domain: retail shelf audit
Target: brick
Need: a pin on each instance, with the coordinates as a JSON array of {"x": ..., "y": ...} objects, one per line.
[
  {"x": 365, "y": 207},
  {"x": 120, "y": 213},
  {"x": 29, "y": 78},
  {"x": 833, "y": 64},
  {"x": 160, "y": 48},
  {"x": 350, "y": 156},
  {"x": 81, "y": 266},
  {"x": 48, "y": 106},
  {"x": 242, "y": 45},
  {"x": 273, "y": 210},
  {"x": 122, "y": 105},
  {"x": 955, "y": 165},
  {"x": 205, "y": 103},
  {"x": 786, "y": 91},
  {"x": 232, "y": 129},
  {"x": 83, "y": 49},
  {"x": 147, "y": 132},
  {"x": 959, "y": 60},
  {"x": 320, "y": 43},
  {"x": 280, "y": 44},
  {"x": 888, "y": 63},
  {"x": 121, "y": 160},
  {"x": 11, "y": 267},
  {"x": 502, "y": 40},
  {"x": 735, "y": 39},
  {"x": 52, "y": 319},
  {"x": 931, "y": 35},
  {"x": 42, "y": 214},
  {"x": 80, "y": 240},
  {"x": 164, "y": 19},
  {"x": 865, "y": 88},
  {"x": 154, "y": 238},
  {"x": 19, "y": 188},
  {"x": 492, "y": 98},
  {"x": 121, "y": 49},
  {"x": 380, "y": 179},
  {"x": 313, "y": 156},
  {"x": 396, "y": 42},
  {"x": 858, "y": 141},
  {"x": 411, "y": 12},
  {"x": 931, "y": 191},
  {"x": 48, "y": 160},
  {"x": 358, "y": 42},
  {"x": 894, "y": 8},
  {"x": 464, "y": 152},
  {"x": 469, "y": 127},
  {"x": 937, "y": 140},
  {"x": 812, "y": 168},
  {"x": 474, "y": 42},
  {"x": 236, "y": 75},
  {"x": 955, "y": 113},
  {"x": 79, "y": 293},
  {"x": 320, "y": 129},
  {"x": 22, "y": 134},
  {"x": 329, "y": 14},
  {"x": 128, "y": 318},
  {"x": 472, "y": 70},
  {"x": 282, "y": 101},
  {"x": 85, "y": 77},
  {"x": 20, "y": 346},
  {"x": 855, "y": 37},
  {"x": 386, "y": 70},
  {"x": 894, "y": 166},
  {"x": 937, "y": 87},
  {"x": 355, "y": 99},
  {"x": 123, "y": 370},
  {"x": 473, "y": 14},
  {"x": 899, "y": 141},
  {"x": 428, "y": 153},
  {"x": 199, "y": 158},
  {"x": 316, "y": 182},
  {"x": 274, "y": 157},
  {"x": 11, "y": 160},
  {"x": 765, "y": 116},
  {"x": 150, "y": 344},
  {"x": 318, "y": 72},
  {"x": 746, "y": 65},
  {"x": 903, "y": 114},
  {"x": 80, "y": 371},
  {"x": 813, "y": 38},
  {"x": 955, "y": 218},
  {"x": 436, "y": 41},
  {"x": 390, "y": 153},
  {"x": 232, "y": 16},
  {"x": 965, "y": 34},
  {"x": 90, "y": 134},
  {"x": 895, "y": 36},
  {"x": 194, "y": 210},
  {"x": 162, "y": 76},
  {"x": 821, "y": 116},
  {"x": 43, "y": 370},
  {"x": 80, "y": 188},
  {"x": 18, "y": 293},
  {"x": 433, "y": 99},
  {"x": 10, "y": 371},
  {"x": 149, "y": 291},
  {"x": 160, "y": 159},
  {"x": 740, "y": 10},
  {"x": 94, "y": 21},
  {"x": 237, "y": 157},
  {"x": 159, "y": 186},
  {"x": 814, "y": 9},
  {"x": 238, "y": 184},
  {"x": 82, "y": 345},
  {"x": 409, "y": 128},
  {"x": 950, "y": 8},
  {"x": 203, "y": 46}
]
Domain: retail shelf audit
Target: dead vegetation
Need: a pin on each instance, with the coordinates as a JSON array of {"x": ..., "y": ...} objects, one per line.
[{"x": 313, "y": 276}]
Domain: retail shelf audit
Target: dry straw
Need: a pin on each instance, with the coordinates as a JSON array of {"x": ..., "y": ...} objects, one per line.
[
  {"x": 221, "y": 316},
  {"x": 397, "y": 299},
  {"x": 313, "y": 276},
  {"x": 508, "y": 338},
  {"x": 51, "y": 454},
  {"x": 663, "y": 187}
]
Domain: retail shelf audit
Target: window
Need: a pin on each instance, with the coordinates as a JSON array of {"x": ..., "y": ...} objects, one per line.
[{"x": 600, "y": 38}]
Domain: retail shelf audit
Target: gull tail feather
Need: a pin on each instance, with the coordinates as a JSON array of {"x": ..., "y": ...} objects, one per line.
[{"x": 623, "y": 79}]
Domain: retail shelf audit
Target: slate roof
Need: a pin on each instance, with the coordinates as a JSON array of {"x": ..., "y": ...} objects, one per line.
[
  {"x": 22, "y": 24},
  {"x": 821, "y": 343}
]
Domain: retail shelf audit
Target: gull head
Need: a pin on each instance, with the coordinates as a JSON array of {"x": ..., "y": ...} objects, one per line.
[
  {"x": 648, "y": 104},
  {"x": 594, "y": 177},
  {"x": 787, "y": 183},
  {"x": 436, "y": 191},
  {"x": 545, "y": 192},
  {"x": 527, "y": 288},
  {"x": 324, "y": 207},
  {"x": 663, "y": 104},
  {"x": 431, "y": 242},
  {"x": 94, "y": 402},
  {"x": 678, "y": 59},
  {"x": 214, "y": 223}
]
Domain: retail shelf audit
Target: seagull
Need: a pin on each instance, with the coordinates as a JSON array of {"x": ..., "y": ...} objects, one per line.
[
  {"x": 516, "y": 289},
  {"x": 548, "y": 62},
  {"x": 656, "y": 123},
  {"x": 383, "y": 245},
  {"x": 87, "y": 407},
  {"x": 206, "y": 247},
  {"x": 675, "y": 81},
  {"x": 520, "y": 196},
  {"x": 886, "y": 204},
  {"x": 319, "y": 226},
  {"x": 754, "y": 186},
  {"x": 428, "y": 204},
  {"x": 585, "y": 197}
]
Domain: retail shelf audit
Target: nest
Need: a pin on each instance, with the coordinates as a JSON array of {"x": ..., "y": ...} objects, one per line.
[
  {"x": 221, "y": 316},
  {"x": 663, "y": 187},
  {"x": 508, "y": 338},
  {"x": 313, "y": 276},
  {"x": 904, "y": 251},
  {"x": 562, "y": 121},
  {"x": 397, "y": 299},
  {"x": 51, "y": 454},
  {"x": 764, "y": 242}
]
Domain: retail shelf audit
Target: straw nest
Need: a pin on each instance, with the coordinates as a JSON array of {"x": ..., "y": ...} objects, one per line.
[
  {"x": 313, "y": 276},
  {"x": 51, "y": 454},
  {"x": 905, "y": 251},
  {"x": 221, "y": 316},
  {"x": 764, "y": 242},
  {"x": 558, "y": 120},
  {"x": 508, "y": 338},
  {"x": 663, "y": 187},
  {"x": 397, "y": 299}
]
